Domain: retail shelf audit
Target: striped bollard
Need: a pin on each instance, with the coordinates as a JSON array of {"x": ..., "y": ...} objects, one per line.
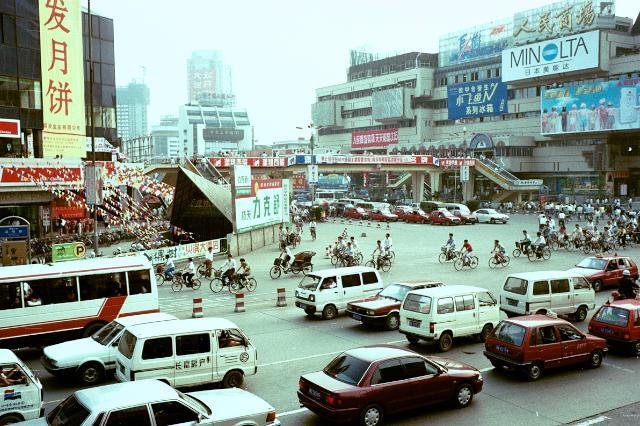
[
  {"x": 239, "y": 302},
  {"x": 282, "y": 301},
  {"x": 197, "y": 308}
]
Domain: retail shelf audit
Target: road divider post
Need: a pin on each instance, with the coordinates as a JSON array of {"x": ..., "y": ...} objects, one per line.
[
  {"x": 282, "y": 300},
  {"x": 197, "y": 308},
  {"x": 239, "y": 302}
]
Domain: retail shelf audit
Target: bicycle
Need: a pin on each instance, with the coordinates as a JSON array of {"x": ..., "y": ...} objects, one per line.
[
  {"x": 202, "y": 270},
  {"x": 162, "y": 276},
  {"x": 379, "y": 262},
  {"x": 495, "y": 261},
  {"x": 447, "y": 255},
  {"x": 178, "y": 282},
  {"x": 543, "y": 253},
  {"x": 313, "y": 234},
  {"x": 462, "y": 262},
  {"x": 518, "y": 251},
  {"x": 234, "y": 284}
]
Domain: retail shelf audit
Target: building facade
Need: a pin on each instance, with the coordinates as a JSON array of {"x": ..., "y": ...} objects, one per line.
[
  {"x": 209, "y": 80},
  {"x": 166, "y": 138},
  {"x": 132, "y": 115},
  {"x": 549, "y": 93}
]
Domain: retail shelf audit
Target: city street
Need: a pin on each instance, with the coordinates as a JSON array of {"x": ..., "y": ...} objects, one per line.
[{"x": 291, "y": 344}]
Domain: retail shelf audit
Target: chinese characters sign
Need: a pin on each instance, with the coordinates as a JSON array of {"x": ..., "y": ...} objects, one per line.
[
  {"x": 473, "y": 44},
  {"x": 62, "y": 78},
  {"x": 242, "y": 179},
  {"x": 377, "y": 159},
  {"x": 561, "y": 55},
  {"x": 559, "y": 19},
  {"x": 223, "y": 162},
  {"x": 268, "y": 204},
  {"x": 299, "y": 181},
  {"x": 477, "y": 99},
  {"x": 591, "y": 107},
  {"x": 374, "y": 138},
  {"x": 9, "y": 128}
]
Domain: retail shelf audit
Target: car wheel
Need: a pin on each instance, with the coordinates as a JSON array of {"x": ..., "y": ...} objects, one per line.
[
  {"x": 371, "y": 415},
  {"x": 90, "y": 373},
  {"x": 486, "y": 331},
  {"x": 635, "y": 348},
  {"x": 310, "y": 311},
  {"x": 597, "y": 285},
  {"x": 491, "y": 221},
  {"x": 534, "y": 371},
  {"x": 464, "y": 396},
  {"x": 595, "y": 359},
  {"x": 581, "y": 314},
  {"x": 445, "y": 342},
  {"x": 392, "y": 322},
  {"x": 412, "y": 339},
  {"x": 329, "y": 312},
  {"x": 233, "y": 379},
  {"x": 11, "y": 418}
]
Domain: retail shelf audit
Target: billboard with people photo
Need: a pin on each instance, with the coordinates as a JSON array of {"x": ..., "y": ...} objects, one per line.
[{"x": 591, "y": 107}]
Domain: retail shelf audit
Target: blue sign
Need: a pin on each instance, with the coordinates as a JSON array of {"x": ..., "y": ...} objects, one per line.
[
  {"x": 17, "y": 231},
  {"x": 477, "y": 99},
  {"x": 301, "y": 159}
]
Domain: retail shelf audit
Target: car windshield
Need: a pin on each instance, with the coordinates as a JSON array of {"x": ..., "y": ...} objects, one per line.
[
  {"x": 612, "y": 315},
  {"x": 509, "y": 332},
  {"x": 347, "y": 369},
  {"x": 446, "y": 213},
  {"x": 309, "y": 282},
  {"x": 360, "y": 210},
  {"x": 417, "y": 303},
  {"x": 69, "y": 413},
  {"x": 395, "y": 291},
  {"x": 195, "y": 402},
  {"x": 592, "y": 263},
  {"x": 127, "y": 344},
  {"x": 106, "y": 334},
  {"x": 515, "y": 285}
]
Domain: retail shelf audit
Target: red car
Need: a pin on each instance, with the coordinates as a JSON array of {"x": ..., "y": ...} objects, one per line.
[
  {"x": 383, "y": 215},
  {"x": 466, "y": 218},
  {"x": 363, "y": 385},
  {"x": 535, "y": 343},
  {"x": 416, "y": 216},
  {"x": 444, "y": 217},
  {"x": 357, "y": 213},
  {"x": 605, "y": 271},
  {"x": 402, "y": 211},
  {"x": 619, "y": 323},
  {"x": 384, "y": 307}
]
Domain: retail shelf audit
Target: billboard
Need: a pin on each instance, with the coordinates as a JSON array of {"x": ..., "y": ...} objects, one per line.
[
  {"x": 562, "y": 55},
  {"x": 62, "y": 64},
  {"x": 267, "y": 204},
  {"x": 374, "y": 138},
  {"x": 224, "y": 162},
  {"x": 9, "y": 128},
  {"x": 475, "y": 43},
  {"x": 591, "y": 107},
  {"x": 477, "y": 99}
]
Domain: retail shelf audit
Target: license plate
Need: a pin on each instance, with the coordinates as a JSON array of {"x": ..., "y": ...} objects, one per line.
[
  {"x": 606, "y": 330},
  {"x": 414, "y": 323},
  {"x": 357, "y": 317},
  {"x": 300, "y": 305},
  {"x": 315, "y": 394},
  {"x": 502, "y": 349},
  {"x": 512, "y": 302}
]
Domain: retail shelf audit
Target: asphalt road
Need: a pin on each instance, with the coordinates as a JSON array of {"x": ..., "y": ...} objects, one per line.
[{"x": 291, "y": 344}]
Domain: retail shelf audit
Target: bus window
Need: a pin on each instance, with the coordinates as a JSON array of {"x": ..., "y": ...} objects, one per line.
[
  {"x": 139, "y": 281},
  {"x": 10, "y": 296},
  {"x": 103, "y": 285},
  {"x": 49, "y": 291}
]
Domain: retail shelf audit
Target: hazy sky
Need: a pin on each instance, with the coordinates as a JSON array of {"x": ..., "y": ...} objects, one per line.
[{"x": 281, "y": 50}]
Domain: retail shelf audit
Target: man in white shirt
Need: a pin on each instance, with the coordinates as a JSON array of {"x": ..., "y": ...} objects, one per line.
[
  {"x": 381, "y": 252},
  {"x": 539, "y": 243},
  {"x": 286, "y": 257},
  {"x": 208, "y": 261},
  {"x": 189, "y": 272},
  {"x": 355, "y": 246},
  {"x": 387, "y": 243},
  {"x": 228, "y": 269},
  {"x": 169, "y": 267}
]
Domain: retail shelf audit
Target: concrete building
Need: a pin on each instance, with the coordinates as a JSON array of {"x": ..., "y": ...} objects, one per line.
[
  {"x": 291, "y": 146},
  {"x": 209, "y": 80},
  {"x": 132, "y": 116},
  {"x": 166, "y": 138},
  {"x": 484, "y": 95}
]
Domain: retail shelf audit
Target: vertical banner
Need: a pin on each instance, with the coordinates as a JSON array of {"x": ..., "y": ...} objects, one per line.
[
  {"x": 242, "y": 179},
  {"x": 62, "y": 79},
  {"x": 93, "y": 184}
]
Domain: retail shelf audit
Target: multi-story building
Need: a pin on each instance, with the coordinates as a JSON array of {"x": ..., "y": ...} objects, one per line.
[
  {"x": 549, "y": 93},
  {"x": 21, "y": 86},
  {"x": 209, "y": 79},
  {"x": 166, "y": 138},
  {"x": 132, "y": 116}
]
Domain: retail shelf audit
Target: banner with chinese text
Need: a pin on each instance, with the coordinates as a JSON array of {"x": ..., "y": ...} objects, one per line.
[
  {"x": 268, "y": 204},
  {"x": 62, "y": 64},
  {"x": 374, "y": 138},
  {"x": 477, "y": 99}
]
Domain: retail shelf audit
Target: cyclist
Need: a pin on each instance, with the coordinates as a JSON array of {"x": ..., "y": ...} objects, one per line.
[
  {"x": 382, "y": 253},
  {"x": 539, "y": 244},
  {"x": 169, "y": 267},
  {"x": 498, "y": 251},
  {"x": 388, "y": 243},
  {"x": 525, "y": 242},
  {"x": 577, "y": 234},
  {"x": 229, "y": 268},
  {"x": 188, "y": 272},
  {"x": 282, "y": 237},
  {"x": 449, "y": 246},
  {"x": 312, "y": 228},
  {"x": 208, "y": 261},
  {"x": 286, "y": 257},
  {"x": 244, "y": 271},
  {"x": 466, "y": 251},
  {"x": 622, "y": 236},
  {"x": 349, "y": 254},
  {"x": 355, "y": 246},
  {"x": 340, "y": 246}
]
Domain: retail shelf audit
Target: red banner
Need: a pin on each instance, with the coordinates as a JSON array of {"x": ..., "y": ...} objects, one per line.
[
  {"x": 224, "y": 162},
  {"x": 9, "y": 128},
  {"x": 374, "y": 138},
  {"x": 299, "y": 181},
  {"x": 29, "y": 174},
  {"x": 69, "y": 212}
]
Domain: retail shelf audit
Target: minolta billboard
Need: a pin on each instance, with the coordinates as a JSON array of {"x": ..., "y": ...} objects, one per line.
[{"x": 561, "y": 55}]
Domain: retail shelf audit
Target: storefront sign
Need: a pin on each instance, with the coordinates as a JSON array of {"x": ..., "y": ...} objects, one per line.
[
  {"x": 222, "y": 134},
  {"x": 223, "y": 162},
  {"x": 242, "y": 179},
  {"x": 102, "y": 145},
  {"x": 182, "y": 252},
  {"x": 377, "y": 159},
  {"x": 62, "y": 65},
  {"x": 68, "y": 251},
  {"x": 561, "y": 55},
  {"x": 299, "y": 181},
  {"x": 312, "y": 173},
  {"x": 93, "y": 184},
  {"x": 456, "y": 162},
  {"x": 69, "y": 212},
  {"x": 591, "y": 107},
  {"x": 14, "y": 253},
  {"x": 477, "y": 99},
  {"x": 374, "y": 138},
  {"x": 267, "y": 204},
  {"x": 27, "y": 175},
  {"x": 473, "y": 44},
  {"x": 14, "y": 231},
  {"x": 9, "y": 128}
]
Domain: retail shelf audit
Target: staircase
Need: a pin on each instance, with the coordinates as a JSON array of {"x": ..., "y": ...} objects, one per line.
[
  {"x": 211, "y": 173},
  {"x": 504, "y": 178},
  {"x": 396, "y": 183},
  {"x": 427, "y": 191}
]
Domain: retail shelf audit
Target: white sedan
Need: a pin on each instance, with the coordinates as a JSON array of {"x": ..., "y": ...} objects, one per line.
[{"x": 490, "y": 216}]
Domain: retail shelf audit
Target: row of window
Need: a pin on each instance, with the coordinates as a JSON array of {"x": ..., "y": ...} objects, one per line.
[
  {"x": 189, "y": 344},
  {"x": 387, "y": 69},
  {"x": 29, "y": 95},
  {"x": 399, "y": 124},
  {"x": 463, "y": 77},
  {"x": 361, "y": 112},
  {"x": 367, "y": 92},
  {"x": 502, "y": 117}
]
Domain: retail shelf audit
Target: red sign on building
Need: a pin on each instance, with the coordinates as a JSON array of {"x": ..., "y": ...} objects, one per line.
[
  {"x": 374, "y": 138},
  {"x": 9, "y": 128},
  {"x": 299, "y": 181}
]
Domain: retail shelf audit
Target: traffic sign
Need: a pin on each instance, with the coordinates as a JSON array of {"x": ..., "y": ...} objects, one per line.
[
  {"x": 14, "y": 231},
  {"x": 464, "y": 173},
  {"x": 312, "y": 173},
  {"x": 68, "y": 251}
]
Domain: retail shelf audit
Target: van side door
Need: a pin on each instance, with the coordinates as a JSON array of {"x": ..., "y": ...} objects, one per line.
[
  {"x": 156, "y": 360},
  {"x": 561, "y": 302},
  {"x": 488, "y": 310},
  {"x": 466, "y": 321},
  {"x": 193, "y": 360},
  {"x": 582, "y": 293},
  {"x": 351, "y": 289},
  {"x": 232, "y": 352}
]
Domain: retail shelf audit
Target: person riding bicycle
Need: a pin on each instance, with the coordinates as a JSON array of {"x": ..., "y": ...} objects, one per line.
[
  {"x": 466, "y": 251},
  {"x": 498, "y": 251},
  {"x": 169, "y": 267},
  {"x": 189, "y": 272},
  {"x": 354, "y": 246},
  {"x": 622, "y": 236},
  {"x": 282, "y": 237},
  {"x": 387, "y": 243},
  {"x": 286, "y": 257},
  {"x": 341, "y": 245},
  {"x": 539, "y": 244},
  {"x": 525, "y": 242},
  {"x": 244, "y": 271},
  {"x": 228, "y": 268},
  {"x": 349, "y": 254},
  {"x": 208, "y": 261},
  {"x": 312, "y": 228},
  {"x": 577, "y": 234},
  {"x": 382, "y": 254},
  {"x": 449, "y": 246}
]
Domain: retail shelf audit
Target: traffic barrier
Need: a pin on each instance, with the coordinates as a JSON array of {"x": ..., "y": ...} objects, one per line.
[
  {"x": 360, "y": 222},
  {"x": 197, "y": 308},
  {"x": 378, "y": 224},
  {"x": 363, "y": 235},
  {"x": 282, "y": 301},
  {"x": 388, "y": 227},
  {"x": 239, "y": 302},
  {"x": 369, "y": 223}
]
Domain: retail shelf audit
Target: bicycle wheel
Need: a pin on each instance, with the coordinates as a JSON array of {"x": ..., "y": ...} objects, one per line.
[
  {"x": 295, "y": 269},
  {"x": 386, "y": 265},
  {"x": 442, "y": 257},
  {"x": 458, "y": 264},
  {"x": 275, "y": 272},
  {"x": 531, "y": 255},
  {"x": 159, "y": 279},
  {"x": 473, "y": 262},
  {"x": 586, "y": 248},
  {"x": 360, "y": 258},
  {"x": 546, "y": 253},
  {"x": 176, "y": 285},
  {"x": 334, "y": 260},
  {"x": 251, "y": 284},
  {"x": 307, "y": 268},
  {"x": 195, "y": 284},
  {"x": 554, "y": 245},
  {"x": 392, "y": 255},
  {"x": 493, "y": 263},
  {"x": 215, "y": 285},
  {"x": 370, "y": 264},
  {"x": 505, "y": 261},
  {"x": 516, "y": 252},
  {"x": 235, "y": 287},
  {"x": 201, "y": 270}
]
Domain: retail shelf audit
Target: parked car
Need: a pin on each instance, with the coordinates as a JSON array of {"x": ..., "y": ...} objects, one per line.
[
  {"x": 443, "y": 217},
  {"x": 491, "y": 216},
  {"x": 357, "y": 213},
  {"x": 384, "y": 307},
  {"x": 137, "y": 403},
  {"x": 466, "y": 218},
  {"x": 383, "y": 215},
  {"x": 363, "y": 385},
  {"x": 416, "y": 216},
  {"x": 605, "y": 271},
  {"x": 619, "y": 323},
  {"x": 402, "y": 211},
  {"x": 532, "y": 344}
]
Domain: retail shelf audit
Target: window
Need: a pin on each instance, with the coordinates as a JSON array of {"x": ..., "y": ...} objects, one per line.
[
  {"x": 127, "y": 344},
  {"x": 559, "y": 286},
  {"x": 49, "y": 291},
  {"x": 445, "y": 305},
  {"x": 139, "y": 281},
  {"x": 10, "y": 296},
  {"x": 579, "y": 283},
  {"x": 636, "y": 315},
  {"x": 172, "y": 412},
  {"x": 105, "y": 285},
  {"x": 510, "y": 333},
  {"x": 9, "y": 92},
  {"x": 350, "y": 280},
  {"x": 157, "y": 348},
  {"x": 417, "y": 303},
  {"x": 230, "y": 338},
  {"x": 417, "y": 367},
  {"x": 546, "y": 335},
  {"x": 347, "y": 369},
  {"x": 612, "y": 315},
  {"x": 540, "y": 288},
  {"x": 464, "y": 303},
  {"x": 387, "y": 372},
  {"x": 515, "y": 285},
  {"x": 489, "y": 73},
  {"x": 193, "y": 344},
  {"x": 129, "y": 416},
  {"x": 568, "y": 333},
  {"x": 69, "y": 412},
  {"x": 30, "y": 94},
  {"x": 486, "y": 299},
  {"x": 7, "y": 29},
  {"x": 369, "y": 278}
]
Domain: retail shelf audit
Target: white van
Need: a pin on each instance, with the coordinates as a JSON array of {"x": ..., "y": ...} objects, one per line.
[
  {"x": 90, "y": 358},
  {"x": 562, "y": 292},
  {"x": 441, "y": 313},
  {"x": 328, "y": 291},
  {"x": 186, "y": 353},
  {"x": 457, "y": 207},
  {"x": 22, "y": 398}
]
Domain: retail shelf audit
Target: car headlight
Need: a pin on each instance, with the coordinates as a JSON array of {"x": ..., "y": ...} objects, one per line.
[
  {"x": 370, "y": 312},
  {"x": 312, "y": 298},
  {"x": 297, "y": 294}
]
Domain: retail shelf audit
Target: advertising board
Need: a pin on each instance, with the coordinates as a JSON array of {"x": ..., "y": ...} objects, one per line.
[
  {"x": 267, "y": 204},
  {"x": 477, "y": 99}
]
